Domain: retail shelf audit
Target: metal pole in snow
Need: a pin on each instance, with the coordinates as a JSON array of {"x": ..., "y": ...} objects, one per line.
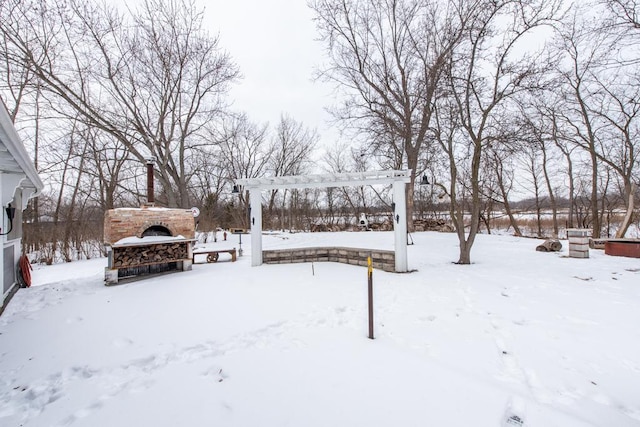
[{"x": 370, "y": 286}]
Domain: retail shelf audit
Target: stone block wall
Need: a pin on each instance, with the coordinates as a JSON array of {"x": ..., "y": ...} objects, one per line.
[
  {"x": 381, "y": 259},
  {"x": 578, "y": 242},
  {"x": 130, "y": 222}
]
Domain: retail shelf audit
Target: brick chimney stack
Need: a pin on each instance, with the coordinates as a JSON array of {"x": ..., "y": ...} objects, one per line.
[{"x": 150, "y": 164}]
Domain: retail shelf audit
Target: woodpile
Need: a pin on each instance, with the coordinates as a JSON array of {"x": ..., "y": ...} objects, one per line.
[
  {"x": 133, "y": 256},
  {"x": 323, "y": 228},
  {"x": 597, "y": 243},
  {"x": 550, "y": 245},
  {"x": 385, "y": 225},
  {"x": 432, "y": 224}
]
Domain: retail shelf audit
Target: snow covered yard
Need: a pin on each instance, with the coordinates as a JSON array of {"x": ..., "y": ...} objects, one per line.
[{"x": 551, "y": 339}]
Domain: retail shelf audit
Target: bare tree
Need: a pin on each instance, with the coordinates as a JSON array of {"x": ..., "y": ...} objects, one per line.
[
  {"x": 245, "y": 153},
  {"x": 16, "y": 82},
  {"x": 68, "y": 160},
  {"x": 152, "y": 81},
  {"x": 553, "y": 122},
  {"x": 485, "y": 75},
  {"x": 499, "y": 159},
  {"x": 108, "y": 165},
  {"x": 619, "y": 148},
  {"x": 601, "y": 90},
  {"x": 626, "y": 12},
  {"x": 291, "y": 149},
  {"x": 338, "y": 159},
  {"x": 532, "y": 163},
  {"x": 584, "y": 49},
  {"x": 542, "y": 138},
  {"x": 387, "y": 58},
  {"x": 209, "y": 187}
]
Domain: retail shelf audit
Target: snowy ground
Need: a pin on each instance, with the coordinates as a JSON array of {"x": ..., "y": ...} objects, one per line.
[{"x": 551, "y": 339}]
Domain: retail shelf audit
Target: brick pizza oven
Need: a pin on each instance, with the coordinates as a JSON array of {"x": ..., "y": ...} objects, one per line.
[
  {"x": 147, "y": 240},
  {"x": 147, "y": 221}
]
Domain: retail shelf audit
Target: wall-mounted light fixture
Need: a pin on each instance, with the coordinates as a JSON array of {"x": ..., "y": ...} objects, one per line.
[{"x": 11, "y": 213}]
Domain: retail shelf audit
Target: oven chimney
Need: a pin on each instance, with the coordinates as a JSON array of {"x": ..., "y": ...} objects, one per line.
[{"x": 150, "y": 163}]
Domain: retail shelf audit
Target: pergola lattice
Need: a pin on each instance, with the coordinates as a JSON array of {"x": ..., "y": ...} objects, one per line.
[{"x": 398, "y": 178}]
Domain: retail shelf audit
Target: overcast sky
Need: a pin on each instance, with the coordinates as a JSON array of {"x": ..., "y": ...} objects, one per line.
[{"x": 275, "y": 44}]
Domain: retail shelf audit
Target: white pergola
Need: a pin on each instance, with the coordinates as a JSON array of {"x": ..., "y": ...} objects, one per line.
[{"x": 399, "y": 179}]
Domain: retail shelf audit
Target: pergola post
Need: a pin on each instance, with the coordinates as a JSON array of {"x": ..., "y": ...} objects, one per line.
[
  {"x": 255, "y": 201},
  {"x": 400, "y": 226}
]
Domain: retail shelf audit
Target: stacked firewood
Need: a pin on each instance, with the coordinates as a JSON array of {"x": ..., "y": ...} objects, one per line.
[
  {"x": 549, "y": 245},
  {"x": 432, "y": 224},
  {"x": 131, "y": 256}
]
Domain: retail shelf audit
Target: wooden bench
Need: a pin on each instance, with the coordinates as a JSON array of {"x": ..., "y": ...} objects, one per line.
[{"x": 213, "y": 255}]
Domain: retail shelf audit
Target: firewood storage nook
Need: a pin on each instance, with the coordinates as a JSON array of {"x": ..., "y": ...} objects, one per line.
[{"x": 147, "y": 240}]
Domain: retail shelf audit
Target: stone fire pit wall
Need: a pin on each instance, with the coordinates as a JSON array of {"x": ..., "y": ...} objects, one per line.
[
  {"x": 623, "y": 247},
  {"x": 382, "y": 259}
]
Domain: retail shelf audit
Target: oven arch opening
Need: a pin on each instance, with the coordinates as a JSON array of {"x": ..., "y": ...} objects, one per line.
[{"x": 156, "y": 230}]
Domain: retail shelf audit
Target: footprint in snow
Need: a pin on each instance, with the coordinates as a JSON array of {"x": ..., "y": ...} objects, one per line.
[
  {"x": 514, "y": 414},
  {"x": 71, "y": 320},
  {"x": 122, "y": 342},
  {"x": 81, "y": 413},
  {"x": 216, "y": 373}
]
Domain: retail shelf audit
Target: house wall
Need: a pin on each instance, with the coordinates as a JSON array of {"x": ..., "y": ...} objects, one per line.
[
  {"x": 11, "y": 246},
  {"x": 3, "y": 239},
  {"x": 8, "y": 267},
  {"x": 19, "y": 181}
]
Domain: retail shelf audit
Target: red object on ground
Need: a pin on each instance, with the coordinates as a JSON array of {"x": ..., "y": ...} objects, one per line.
[
  {"x": 619, "y": 247},
  {"x": 25, "y": 270}
]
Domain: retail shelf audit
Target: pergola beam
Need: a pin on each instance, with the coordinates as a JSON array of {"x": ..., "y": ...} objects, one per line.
[{"x": 327, "y": 180}]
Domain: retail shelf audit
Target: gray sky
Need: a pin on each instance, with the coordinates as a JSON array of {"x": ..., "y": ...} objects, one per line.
[{"x": 274, "y": 43}]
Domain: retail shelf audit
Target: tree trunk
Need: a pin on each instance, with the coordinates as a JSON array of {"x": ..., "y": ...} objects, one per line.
[
  {"x": 572, "y": 203},
  {"x": 465, "y": 253},
  {"x": 594, "y": 197},
  {"x": 505, "y": 198},
  {"x": 467, "y": 242},
  {"x": 630, "y": 190},
  {"x": 410, "y": 203},
  {"x": 552, "y": 198},
  {"x": 69, "y": 222}
]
